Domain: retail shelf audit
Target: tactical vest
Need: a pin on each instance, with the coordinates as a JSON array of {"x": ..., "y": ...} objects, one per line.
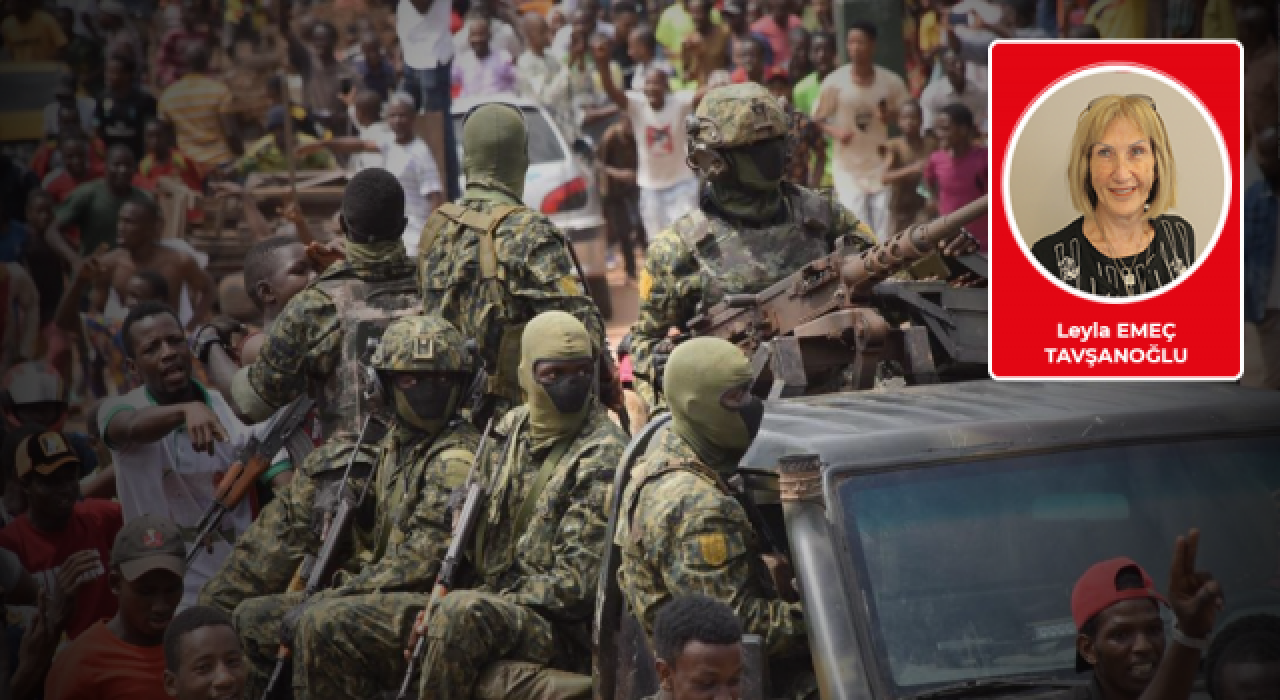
[
  {"x": 741, "y": 260},
  {"x": 365, "y": 309},
  {"x": 503, "y": 361}
]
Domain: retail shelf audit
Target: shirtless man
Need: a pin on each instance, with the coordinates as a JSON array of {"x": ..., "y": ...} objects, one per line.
[{"x": 140, "y": 249}]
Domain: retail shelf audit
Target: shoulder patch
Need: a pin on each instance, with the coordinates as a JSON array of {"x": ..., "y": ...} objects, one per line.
[
  {"x": 569, "y": 286},
  {"x": 646, "y": 284},
  {"x": 714, "y": 548}
]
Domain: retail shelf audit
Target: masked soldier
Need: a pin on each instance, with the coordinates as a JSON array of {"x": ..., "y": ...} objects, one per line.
[
  {"x": 488, "y": 264},
  {"x": 424, "y": 369},
  {"x": 317, "y": 345},
  {"x": 680, "y": 530},
  {"x": 538, "y": 543}
]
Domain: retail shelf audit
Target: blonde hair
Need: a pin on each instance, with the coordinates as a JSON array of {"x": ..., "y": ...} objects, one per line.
[{"x": 1090, "y": 128}]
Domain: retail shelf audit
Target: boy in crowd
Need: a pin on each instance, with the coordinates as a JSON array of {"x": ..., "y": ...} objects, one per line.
[
  {"x": 956, "y": 173},
  {"x": 124, "y": 657},
  {"x": 61, "y": 540},
  {"x": 202, "y": 656},
  {"x": 698, "y": 644}
]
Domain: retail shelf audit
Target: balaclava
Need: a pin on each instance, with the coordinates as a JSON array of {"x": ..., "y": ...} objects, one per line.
[
  {"x": 428, "y": 406},
  {"x": 751, "y": 187},
  {"x": 698, "y": 374},
  {"x": 495, "y": 147},
  {"x": 558, "y": 409}
]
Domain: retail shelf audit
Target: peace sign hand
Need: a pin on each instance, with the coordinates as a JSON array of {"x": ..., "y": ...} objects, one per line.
[{"x": 1196, "y": 598}]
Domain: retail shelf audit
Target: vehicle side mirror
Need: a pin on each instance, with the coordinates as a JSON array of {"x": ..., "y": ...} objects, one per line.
[{"x": 584, "y": 147}]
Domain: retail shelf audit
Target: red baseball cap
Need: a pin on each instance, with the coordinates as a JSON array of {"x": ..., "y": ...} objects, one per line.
[{"x": 1097, "y": 590}]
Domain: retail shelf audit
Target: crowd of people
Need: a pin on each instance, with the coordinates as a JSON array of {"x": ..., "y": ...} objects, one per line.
[{"x": 134, "y": 378}]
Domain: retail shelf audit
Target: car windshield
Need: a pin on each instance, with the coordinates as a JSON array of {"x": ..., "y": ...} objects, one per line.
[
  {"x": 544, "y": 146},
  {"x": 969, "y": 567}
]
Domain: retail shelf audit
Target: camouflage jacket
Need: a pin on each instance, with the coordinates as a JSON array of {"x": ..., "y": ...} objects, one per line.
[
  {"x": 554, "y": 566},
  {"x": 304, "y": 344},
  {"x": 411, "y": 491},
  {"x": 701, "y": 258},
  {"x": 535, "y": 273},
  {"x": 267, "y": 555},
  {"x": 680, "y": 532}
]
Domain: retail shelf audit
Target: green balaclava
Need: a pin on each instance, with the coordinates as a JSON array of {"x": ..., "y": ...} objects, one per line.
[
  {"x": 698, "y": 374},
  {"x": 751, "y": 187},
  {"x": 495, "y": 147},
  {"x": 559, "y": 409}
]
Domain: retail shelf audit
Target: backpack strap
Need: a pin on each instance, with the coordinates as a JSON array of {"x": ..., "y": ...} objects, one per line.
[{"x": 485, "y": 223}]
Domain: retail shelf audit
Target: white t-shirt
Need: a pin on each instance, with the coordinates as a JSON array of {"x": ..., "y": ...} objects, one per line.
[
  {"x": 661, "y": 141},
  {"x": 424, "y": 39},
  {"x": 372, "y": 132},
  {"x": 414, "y": 166},
  {"x": 855, "y": 108},
  {"x": 170, "y": 479}
]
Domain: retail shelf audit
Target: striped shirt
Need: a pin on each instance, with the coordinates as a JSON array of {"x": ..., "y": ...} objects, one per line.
[{"x": 193, "y": 105}]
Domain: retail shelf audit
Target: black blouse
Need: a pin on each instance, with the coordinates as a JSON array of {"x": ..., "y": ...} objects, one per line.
[{"x": 1069, "y": 256}]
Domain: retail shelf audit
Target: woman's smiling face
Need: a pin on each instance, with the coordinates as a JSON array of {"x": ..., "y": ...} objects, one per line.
[{"x": 1122, "y": 169}]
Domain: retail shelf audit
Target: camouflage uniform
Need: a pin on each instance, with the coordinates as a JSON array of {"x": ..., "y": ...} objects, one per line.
[
  {"x": 409, "y": 534},
  {"x": 704, "y": 256},
  {"x": 307, "y": 348},
  {"x": 533, "y": 273},
  {"x": 303, "y": 351},
  {"x": 681, "y": 532},
  {"x": 268, "y": 554},
  {"x": 537, "y": 590}
]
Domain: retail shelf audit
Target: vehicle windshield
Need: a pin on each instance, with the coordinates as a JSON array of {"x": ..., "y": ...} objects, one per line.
[
  {"x": 544, "y": 146},
  {"x": 969, "y": 567}
]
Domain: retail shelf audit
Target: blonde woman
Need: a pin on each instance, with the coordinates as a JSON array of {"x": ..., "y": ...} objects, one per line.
[{"x": 1123, "y": 179}]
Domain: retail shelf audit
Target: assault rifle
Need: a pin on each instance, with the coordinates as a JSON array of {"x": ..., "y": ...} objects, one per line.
[
  {"x": 251, "y": 463},
  {"x": 823, "y": 327},
  {"x": 445, "y": 579},
  {"x": 318, "y": 571}
]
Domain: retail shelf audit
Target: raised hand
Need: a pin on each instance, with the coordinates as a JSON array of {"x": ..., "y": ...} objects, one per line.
[{"x": 1196, "y": 598}]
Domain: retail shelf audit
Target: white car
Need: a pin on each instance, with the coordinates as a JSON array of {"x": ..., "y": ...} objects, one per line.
[{"x": 560, "y": 183}]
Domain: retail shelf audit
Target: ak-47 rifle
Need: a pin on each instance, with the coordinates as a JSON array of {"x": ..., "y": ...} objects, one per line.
[
  {"x": 826, "y": 317},
  {"x": 319, "y": 570},
  {"x": 251, "y": 463},
  {"x": 462, "y": 531}
]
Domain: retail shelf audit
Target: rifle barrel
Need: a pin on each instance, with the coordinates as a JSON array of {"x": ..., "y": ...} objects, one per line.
[{"x": 906, "y": 247}]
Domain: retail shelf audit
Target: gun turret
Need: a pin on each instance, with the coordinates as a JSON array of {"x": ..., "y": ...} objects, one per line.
[{"x": 822, "y": 328}]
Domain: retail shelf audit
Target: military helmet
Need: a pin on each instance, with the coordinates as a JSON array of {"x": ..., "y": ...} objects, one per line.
[
  {"x": 422, "y": 344},
  {"x": 731, "y": 116}
]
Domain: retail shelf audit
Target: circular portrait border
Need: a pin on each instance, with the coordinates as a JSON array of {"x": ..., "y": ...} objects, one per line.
[{"x": 1080, "y": 74}]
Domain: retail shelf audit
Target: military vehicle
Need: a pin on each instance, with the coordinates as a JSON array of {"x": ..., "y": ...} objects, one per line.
[{"x": 936, "y": 530}]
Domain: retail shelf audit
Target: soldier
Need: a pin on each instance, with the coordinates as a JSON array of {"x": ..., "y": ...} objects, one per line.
[
  {"x": 316, "y": 345},
  {"x": 538, "y": 542},
  {"x": 424, "y": 368},
  {"x": 750, "y": 228},
  {"x": 488, "y": 264},
  {"x": 680, "y": 531}
]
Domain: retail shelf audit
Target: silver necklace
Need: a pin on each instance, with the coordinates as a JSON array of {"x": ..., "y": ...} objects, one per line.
[{"x": 1126, "y": 272}]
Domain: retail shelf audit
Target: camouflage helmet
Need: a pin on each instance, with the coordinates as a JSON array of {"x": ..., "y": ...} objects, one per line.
[
  {"x": 422, "y": 344},
  {"x": 731, "y": 116}
]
